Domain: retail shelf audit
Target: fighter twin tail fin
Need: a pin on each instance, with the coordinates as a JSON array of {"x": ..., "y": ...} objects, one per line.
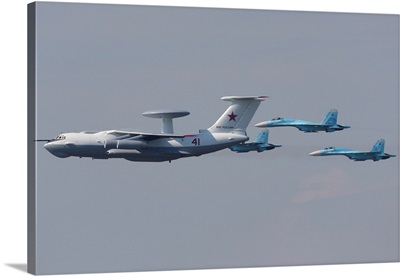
[
  {"x": 238, "y": 115},
  {"x": 331, "y": 118},
  {"x": 262, "y": 137},
  {"x": 379, "y": 146}
]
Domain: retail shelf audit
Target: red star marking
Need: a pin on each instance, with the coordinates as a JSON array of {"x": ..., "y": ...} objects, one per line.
[{"x": 232, "y": 117}]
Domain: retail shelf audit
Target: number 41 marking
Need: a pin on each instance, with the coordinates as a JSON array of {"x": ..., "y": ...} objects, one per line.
[{"x": 196, "y": 141}]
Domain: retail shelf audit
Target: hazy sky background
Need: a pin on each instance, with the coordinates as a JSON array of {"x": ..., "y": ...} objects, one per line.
[{"x": 100, "y": 66}]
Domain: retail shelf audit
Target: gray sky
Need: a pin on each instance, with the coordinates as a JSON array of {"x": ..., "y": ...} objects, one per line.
[{"x": 100, "y": 66}]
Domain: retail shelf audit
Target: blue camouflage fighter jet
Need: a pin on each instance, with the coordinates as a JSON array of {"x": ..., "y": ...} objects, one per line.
[
  {"x": 376, "y": 154},
  {"x": 329, "y": 124},
  {"x": 259, "y": 145}
]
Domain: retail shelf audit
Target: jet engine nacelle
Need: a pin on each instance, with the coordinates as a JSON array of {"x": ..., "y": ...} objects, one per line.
[
  {"x": 130, "y": 144},
  {"x": 260, "y": 149}
]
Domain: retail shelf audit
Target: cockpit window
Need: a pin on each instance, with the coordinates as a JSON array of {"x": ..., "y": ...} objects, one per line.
[
  {"x": 277, "y": 118},
  {"x": 60, "y": 137},
  {"x": 330, "y": 148}
]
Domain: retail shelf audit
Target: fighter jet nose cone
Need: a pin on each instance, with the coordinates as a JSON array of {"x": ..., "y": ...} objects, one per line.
[
  {"x": 262, "y": 124},
  {"x": 315, "y": 153}
]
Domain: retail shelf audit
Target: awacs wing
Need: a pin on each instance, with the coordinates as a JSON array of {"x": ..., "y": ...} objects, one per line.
[{"x": 121, "y": 134}]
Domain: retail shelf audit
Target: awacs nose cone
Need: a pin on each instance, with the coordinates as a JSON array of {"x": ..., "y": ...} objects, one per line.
[
  {"x": 56, "y": 149},
  {"x": 262, "y": 124},
  {"x": 315, "y": 153}
]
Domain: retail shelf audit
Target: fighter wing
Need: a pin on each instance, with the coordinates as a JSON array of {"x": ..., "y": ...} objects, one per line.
[
  {"x": 121, "y": 134},
  {"x": 361, "y": 155},
  {"x": 307, "y": 128}
]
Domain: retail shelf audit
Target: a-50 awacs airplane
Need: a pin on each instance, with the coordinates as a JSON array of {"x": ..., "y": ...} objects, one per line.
[
  {"x": 376, "y": 154},
  {"x": 260, "y": 144},
  {"x": 228, "y": 130},
  {"x": 329, "y": 124}
]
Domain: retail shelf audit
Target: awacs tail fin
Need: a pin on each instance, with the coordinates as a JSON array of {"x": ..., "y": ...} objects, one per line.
[
  {"x": 379, "y": 146},
  {"x": 239, "y": 113},
  {"x": 331, "y": 118}
]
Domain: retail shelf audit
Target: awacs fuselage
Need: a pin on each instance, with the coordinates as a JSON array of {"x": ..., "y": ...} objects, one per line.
[
  {"x": 228, "y": 130},
  {"x": 115, "y": 144}
]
